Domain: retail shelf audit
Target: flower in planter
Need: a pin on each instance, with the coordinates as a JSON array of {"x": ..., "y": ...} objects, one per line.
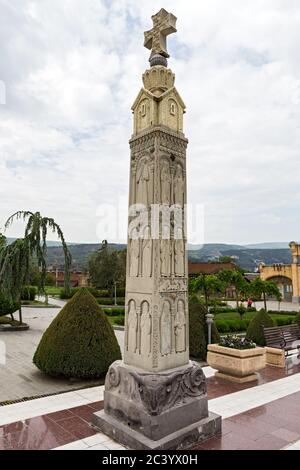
[{"x": 236, "y": 342}]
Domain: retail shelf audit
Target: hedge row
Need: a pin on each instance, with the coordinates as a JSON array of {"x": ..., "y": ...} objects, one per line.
[
  {"x": 114, "y": 312},
  {"x": 229, "y": 309},
  {"x": 102, "y": 295},
  {"x": 236, "y": 325},
  {"x": 29, "y": 293},
  {"x": 109, "y": 301}
]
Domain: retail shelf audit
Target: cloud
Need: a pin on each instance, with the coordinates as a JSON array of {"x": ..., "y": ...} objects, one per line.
[{"x": 72, "y": 70}]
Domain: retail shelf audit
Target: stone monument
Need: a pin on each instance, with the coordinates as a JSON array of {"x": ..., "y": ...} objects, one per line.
[{"x": 156, "y": 397}]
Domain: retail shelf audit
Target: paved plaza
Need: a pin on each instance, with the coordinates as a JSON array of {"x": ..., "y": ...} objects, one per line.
[
  {"x": 20, "y": 378},
  {"x": 262, "y": 415}
]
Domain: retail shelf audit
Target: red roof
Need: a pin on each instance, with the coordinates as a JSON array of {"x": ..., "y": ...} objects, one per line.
[{"x": 209, "y": 268}]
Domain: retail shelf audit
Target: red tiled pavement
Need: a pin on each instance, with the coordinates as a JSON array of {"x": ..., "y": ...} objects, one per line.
[
  {"x": 268, "y": 427},
  {"x": 50, "y": 430},
  {"x": 263, "y": 427}
]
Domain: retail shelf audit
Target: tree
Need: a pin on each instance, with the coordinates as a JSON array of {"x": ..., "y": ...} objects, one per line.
[
  {"x": 225, "y": 259},
  {"x": 16, "y": 258},
  {"x": 80, "y": 342},
  {"x": 207, "y": 285},
  {"x": 107, "y": 266},
  {"x": 260, "y": 288},
  {"x": 255, "y": 330},
  {"x": 36, "y": 231},
  {"x": 235, "y": 279}
]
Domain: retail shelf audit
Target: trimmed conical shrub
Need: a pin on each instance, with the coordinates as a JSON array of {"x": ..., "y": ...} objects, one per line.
[
  {"x": 255, "y": 331},
  {"x": 79, "y": 342},
  {"x": 198, "y": 329}
]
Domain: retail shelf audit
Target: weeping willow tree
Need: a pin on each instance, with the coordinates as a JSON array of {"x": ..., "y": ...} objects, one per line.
[{"x": 15, "y": 258}]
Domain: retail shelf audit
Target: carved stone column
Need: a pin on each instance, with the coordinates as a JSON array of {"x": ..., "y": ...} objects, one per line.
[{"x": 158, "y": 399}]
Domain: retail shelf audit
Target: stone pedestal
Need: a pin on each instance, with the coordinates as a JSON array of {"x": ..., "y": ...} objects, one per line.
[{"x": 166, "y": 410}]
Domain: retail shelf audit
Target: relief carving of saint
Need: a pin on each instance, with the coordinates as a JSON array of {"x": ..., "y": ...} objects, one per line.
[
  {"x": 180, "y": 327},
  {"x": 165, "y": 183},
  {"x": 142, "y": 183},
  {"x": 145, "y": 330},
  {"x": 165, "y": 326},
  {"x": 179, "y": 257},
  {"x": 165, "y": 257},
  {"x": 179, "y": 186},
  {"x": 147, "y": 253},
  {"x": 134, "y": 254},
  {"x": 132, "y": 325}
]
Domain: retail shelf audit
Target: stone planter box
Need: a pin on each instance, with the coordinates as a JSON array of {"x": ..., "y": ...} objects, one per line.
[
  {"x": 275, "y": 357},
  {"x": 236, "y": 365}
]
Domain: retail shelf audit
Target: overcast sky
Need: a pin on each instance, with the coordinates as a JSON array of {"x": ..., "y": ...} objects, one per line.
[{"x": 72, "y": 70}]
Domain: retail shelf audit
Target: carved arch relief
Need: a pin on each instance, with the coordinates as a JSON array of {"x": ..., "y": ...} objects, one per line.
[
  {"x": 165, "y": 328},
  {"x": 180, "y": 327},
  {"x": 132, "y": 327},
  {"x": 146, "y": 329}
]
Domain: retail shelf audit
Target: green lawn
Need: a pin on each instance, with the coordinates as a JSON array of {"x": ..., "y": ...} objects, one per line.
[
  {"x": 51, "y": 290},
  {"x": 248, "y": 316}
]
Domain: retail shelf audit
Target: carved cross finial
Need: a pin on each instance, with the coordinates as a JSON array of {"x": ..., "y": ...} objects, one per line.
[{"x": 164, "y": 23}]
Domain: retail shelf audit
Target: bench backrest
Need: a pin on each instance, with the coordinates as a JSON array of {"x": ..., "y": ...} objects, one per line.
[
  {"x": 273, "y": 335},
  {"x": 291, "y": 333}
]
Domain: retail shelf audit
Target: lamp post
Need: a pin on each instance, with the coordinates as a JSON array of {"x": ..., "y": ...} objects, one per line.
[
  {"x": 209, "y": 321},
  {"x": 115, "y": 283}
]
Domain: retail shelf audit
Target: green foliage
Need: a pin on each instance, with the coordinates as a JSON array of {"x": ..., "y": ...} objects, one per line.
[
  {"x": 225, "y": 259},
  {"x": 233, "y": 325},
  {"x": 114, "y": 312},
  {"x": 283, "y": 320},
  {"x": 297, "y": 319},
  {"x": 107, "y": 266},
  {"x": 109, "y": 301},
  {"x": 206, "y": 285},
  {"x": 198, "y": 329},
  {"x": 119, "y": 321},
  {"x": 28, "y": 293},
  {"x": 7, "y": 307},
  {"x": 34, "y": 244},
  {"x": 79, "y": 342},
  {"x": 234, "y": 278},
  {"x": 255, "y": 329},
  {"x": 260, "y": 288}
]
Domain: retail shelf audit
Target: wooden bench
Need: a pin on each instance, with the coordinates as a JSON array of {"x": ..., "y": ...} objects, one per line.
[
  {"x": 283, "y": 337},
  {"x": 291, "y": 335}
]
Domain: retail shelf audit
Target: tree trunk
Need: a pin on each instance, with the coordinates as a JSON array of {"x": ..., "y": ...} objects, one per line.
[
  {"x": 237, "y": 298},
  {"x": 20, "y": 315},
  {"x": 265, "y": 301}
]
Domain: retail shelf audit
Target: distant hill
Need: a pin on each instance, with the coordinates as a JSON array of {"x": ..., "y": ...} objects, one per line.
[
  {"x": 80, "y": 253},
  {"x": 270, "y": 245},
  {"x": 247, "y": 258}
]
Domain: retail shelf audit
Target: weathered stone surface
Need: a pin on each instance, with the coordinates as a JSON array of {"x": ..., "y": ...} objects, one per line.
[
  {"x": 154, "y": 406},
  {"x": 184, "y": 438},
  {"x": 234, "y": 364}
]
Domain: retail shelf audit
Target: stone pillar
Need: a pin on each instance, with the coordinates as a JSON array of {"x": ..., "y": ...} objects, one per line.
[{"x": 156, "y": 397}]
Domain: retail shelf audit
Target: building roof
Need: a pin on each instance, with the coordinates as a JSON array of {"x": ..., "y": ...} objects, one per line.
[{"x": 209, "y": 268}]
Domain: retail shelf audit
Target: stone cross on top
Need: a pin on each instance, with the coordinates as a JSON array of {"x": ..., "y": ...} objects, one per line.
[{"x": 164, "y": 23}]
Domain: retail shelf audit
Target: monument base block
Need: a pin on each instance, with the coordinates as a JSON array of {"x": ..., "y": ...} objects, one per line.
[{"x": 165, "y": 410}]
